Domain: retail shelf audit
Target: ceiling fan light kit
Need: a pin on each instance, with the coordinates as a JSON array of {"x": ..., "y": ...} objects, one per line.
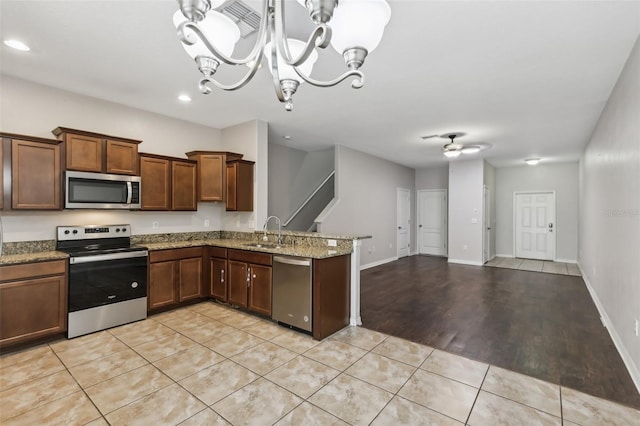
[{"x": 354, "y": 29}]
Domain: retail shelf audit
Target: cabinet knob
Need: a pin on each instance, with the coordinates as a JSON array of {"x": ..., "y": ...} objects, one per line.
[{"x": 254, "y": 275}]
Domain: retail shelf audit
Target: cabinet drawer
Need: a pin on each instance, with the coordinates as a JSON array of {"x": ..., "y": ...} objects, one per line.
[
  {"x": 174, "y": 254},
  {"x": 218, "y": 252},
  {"x": 250, "y": 257},
  {"x": 30, "y": 270}
]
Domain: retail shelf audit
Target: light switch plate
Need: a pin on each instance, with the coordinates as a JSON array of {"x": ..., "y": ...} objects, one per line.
[{"x": 332, "y": 243}]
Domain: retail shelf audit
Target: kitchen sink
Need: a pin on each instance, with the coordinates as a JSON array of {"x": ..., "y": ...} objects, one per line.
[{"x": 263, "y": 245}]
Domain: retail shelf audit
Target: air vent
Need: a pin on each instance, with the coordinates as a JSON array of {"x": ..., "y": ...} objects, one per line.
[{"x": 247, "y": 19}]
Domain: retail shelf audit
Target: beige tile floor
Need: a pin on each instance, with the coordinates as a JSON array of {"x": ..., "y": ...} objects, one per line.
[
  {"x": 210, "y": 365},
  {"x": 535, "y": 266}
]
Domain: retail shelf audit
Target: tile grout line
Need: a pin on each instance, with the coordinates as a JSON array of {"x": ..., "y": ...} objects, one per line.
[{"x": 475, "y": 400}]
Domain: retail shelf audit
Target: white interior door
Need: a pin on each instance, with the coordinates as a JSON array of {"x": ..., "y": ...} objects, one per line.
[
  {"x": 486, "y": 252},
  {"x": 432, "y": 222},
  {"x": 404, "y": 208},
  {"x": 534, "y": 225}
]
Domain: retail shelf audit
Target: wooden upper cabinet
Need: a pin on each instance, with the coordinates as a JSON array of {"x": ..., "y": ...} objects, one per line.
[
  {"x": 212, "y": 173},
  {"x": 122, "y": 157},
  {"x": 36, "y": 175},
  {"x": 183, "y": 185},
  {"x": 156, "y": 183},
  {"x": 240, "y": 185},
  {"x": 94, "y": 152},
  {"x": 168, "y": 183},
  {"x": 84, "y": 153}
]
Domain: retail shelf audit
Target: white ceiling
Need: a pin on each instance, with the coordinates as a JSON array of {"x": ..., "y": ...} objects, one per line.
[{"x": 528, "y": 77}]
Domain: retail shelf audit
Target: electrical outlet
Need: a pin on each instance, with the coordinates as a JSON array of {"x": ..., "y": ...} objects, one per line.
[
  {"x": 636, "y": 328},
  {"x": 390, "y": 245},
  {"x": 332, "y": 243},
  {"x": 206, "y": 223},
  {"x": 154, "y": 225}
]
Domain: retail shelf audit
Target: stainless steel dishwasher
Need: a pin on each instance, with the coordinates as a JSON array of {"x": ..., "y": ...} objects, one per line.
[{"x": 292, "y": 278}]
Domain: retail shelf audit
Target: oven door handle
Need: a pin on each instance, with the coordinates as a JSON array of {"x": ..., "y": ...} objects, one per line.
[{"x": 110, "y": 256}]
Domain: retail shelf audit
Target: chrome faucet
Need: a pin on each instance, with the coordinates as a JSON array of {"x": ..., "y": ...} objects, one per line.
[{"x": 264, "y": 228}]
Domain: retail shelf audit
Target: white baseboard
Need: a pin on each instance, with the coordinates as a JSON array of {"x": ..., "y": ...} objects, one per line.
[
  {"x": 465, "y": 262},
  {"x": 378, "y": 263},
  {"x": 566, "y": 261},
  {"x": 504, "y": 255},
  {"x": 622, "y": 350}
]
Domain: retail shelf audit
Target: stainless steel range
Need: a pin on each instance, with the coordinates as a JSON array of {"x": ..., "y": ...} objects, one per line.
[{"x": 107, "y": 277}]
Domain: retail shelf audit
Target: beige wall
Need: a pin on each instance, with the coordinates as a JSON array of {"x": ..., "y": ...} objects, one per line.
[
  {"x": 366, "y": 193},
  {"x": 432, "y": 178},
  {"x": 35, "y": 110},
  {"x": 561, "y": 178},
  {"x": 609, "y": 253},
  {"x": 465, "y": 211}
]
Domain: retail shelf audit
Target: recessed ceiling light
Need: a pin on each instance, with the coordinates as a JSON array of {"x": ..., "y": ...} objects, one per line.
[
  {"x": 184, "y": 98},
  {"x": 532, "y": 161},
  {"x": 287, "y": 137},
  {"x": 17, "y": 44}
]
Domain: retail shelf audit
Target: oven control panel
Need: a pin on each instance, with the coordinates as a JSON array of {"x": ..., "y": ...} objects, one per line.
[{"x": 90, "y": 232}]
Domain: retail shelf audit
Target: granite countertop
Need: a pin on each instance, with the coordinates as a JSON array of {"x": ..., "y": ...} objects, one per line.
[
  {"x": 289, "y": 249},
  {"x": 14, "y": 259},
  {"x": 286, "y": 249}
]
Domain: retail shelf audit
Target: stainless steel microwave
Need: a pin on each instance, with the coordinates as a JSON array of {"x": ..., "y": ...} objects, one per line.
[{"x": 85, "y": 190}]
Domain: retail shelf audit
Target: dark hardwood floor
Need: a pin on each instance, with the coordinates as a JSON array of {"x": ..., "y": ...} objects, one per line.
[{"x": 542, "y": 325}]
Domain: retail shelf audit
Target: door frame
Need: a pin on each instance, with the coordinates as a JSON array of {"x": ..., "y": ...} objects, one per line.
[
  {"x": 408, "y": 192},
  {"x": 486, "y": 224},
  {"x": 555, "y": 223},
  {"x": 445, "y": 231}
]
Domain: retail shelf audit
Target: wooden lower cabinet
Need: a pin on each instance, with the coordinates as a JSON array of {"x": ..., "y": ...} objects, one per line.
[
  {"x": 260, "y": 289},
  {"x": 175, "y": 276},
  {"x": 238, "y": 283},
  {"x": 33, "y": 301},
  {"x": 250, "y": 280},
  {"x": 218, "y": 281},
  {"x": 331, "y": 295},
  {"x": 162, "y": 284}
]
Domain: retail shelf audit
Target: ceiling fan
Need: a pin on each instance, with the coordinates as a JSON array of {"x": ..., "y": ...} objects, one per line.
[{"x": 452, "y": 149}]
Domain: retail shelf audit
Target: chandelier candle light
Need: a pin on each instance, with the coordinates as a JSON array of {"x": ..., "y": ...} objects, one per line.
[{"x": 353, "y": 28}]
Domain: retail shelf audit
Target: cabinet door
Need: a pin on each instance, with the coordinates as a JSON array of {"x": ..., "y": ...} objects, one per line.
[
  {"x": 232, "y": 187},
  {"x": 238, "y": 283},
  {"x": 218, "y": 284},
  {"x": 84, "y": 153},
  {"x": 156, "y": 181},
  {"x": 35, "y": 176},
  {"x": 122, "y": 158},
  {"x": 183, "y": 186},
  {"x": 190, "y": 278},
  {"x": 240, "y": 186},
  {"x": 212, "y": 173},
  {"x": 162, "y": 284},
  {"x": 260, "y": 289},
  {"x": 32, "y": 308}
]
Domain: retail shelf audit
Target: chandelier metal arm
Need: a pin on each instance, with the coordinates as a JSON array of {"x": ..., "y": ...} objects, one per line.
[
  {"x": 319, "y": 37},
  {"x": 229, "y": 87},
  {"x": 357, "y": 83}
]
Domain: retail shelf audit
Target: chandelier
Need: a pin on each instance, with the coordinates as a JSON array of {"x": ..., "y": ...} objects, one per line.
[{"x": 353, "y": 28}]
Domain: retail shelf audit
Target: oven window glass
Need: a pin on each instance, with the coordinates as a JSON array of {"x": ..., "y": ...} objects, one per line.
[
  {"x": 97, "y": 191},
  {"x": 103, "y": 282}
]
